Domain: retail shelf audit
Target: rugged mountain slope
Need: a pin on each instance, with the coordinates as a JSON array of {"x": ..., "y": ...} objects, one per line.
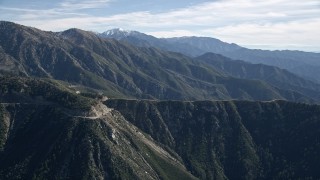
[
  {"x": 304, "y": 64},
  {"x": 45, "y": 139},
  {"x": 49, "y": 132},
  {"x": 40, "y": 91},
  {"x": 275, "y": 76},
  {"x": 42, "y": 54},
  {"x": 123, "y": 70},
  {"x": 234, "y": 140}
]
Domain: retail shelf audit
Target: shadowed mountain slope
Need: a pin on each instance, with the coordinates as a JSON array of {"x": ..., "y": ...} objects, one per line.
[
  {"x": 44, "y": 138},
  {"x": 233, "y": 139},
  {"x": 50, "y": 134}
]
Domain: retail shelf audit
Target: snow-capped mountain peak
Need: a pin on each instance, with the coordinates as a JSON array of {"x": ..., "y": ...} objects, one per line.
[{"x": 117, "y": 32}]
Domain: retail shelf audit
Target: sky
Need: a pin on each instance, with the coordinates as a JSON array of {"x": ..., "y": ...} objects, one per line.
[{"x": 260, "y": 24}]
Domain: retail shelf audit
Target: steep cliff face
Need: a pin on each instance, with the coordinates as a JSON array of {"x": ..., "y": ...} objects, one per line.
[
  {"x": 233, "y": 139},
  {"x": 45, "y": 142}
]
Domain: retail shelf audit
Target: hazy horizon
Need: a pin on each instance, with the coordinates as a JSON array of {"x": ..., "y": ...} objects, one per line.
[{"x": 272, "y": 25}]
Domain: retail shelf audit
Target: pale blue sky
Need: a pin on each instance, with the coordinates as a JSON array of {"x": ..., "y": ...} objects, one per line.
[{"x": 271, "y": 24}]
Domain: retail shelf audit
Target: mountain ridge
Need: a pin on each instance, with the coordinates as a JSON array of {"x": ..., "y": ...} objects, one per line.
[
  {"x": 276, "y": 76},
  {"x": 196, "y": 46},
  {"x": 122, "y": 70}
]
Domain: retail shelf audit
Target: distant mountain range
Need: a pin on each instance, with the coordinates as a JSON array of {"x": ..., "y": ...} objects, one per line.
[
  {"x": 122, "y": 70},
  {"x": 273, "y": 75},
  {"x": 75, "y": 105},
  {"x": 304, "y": 64}
]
